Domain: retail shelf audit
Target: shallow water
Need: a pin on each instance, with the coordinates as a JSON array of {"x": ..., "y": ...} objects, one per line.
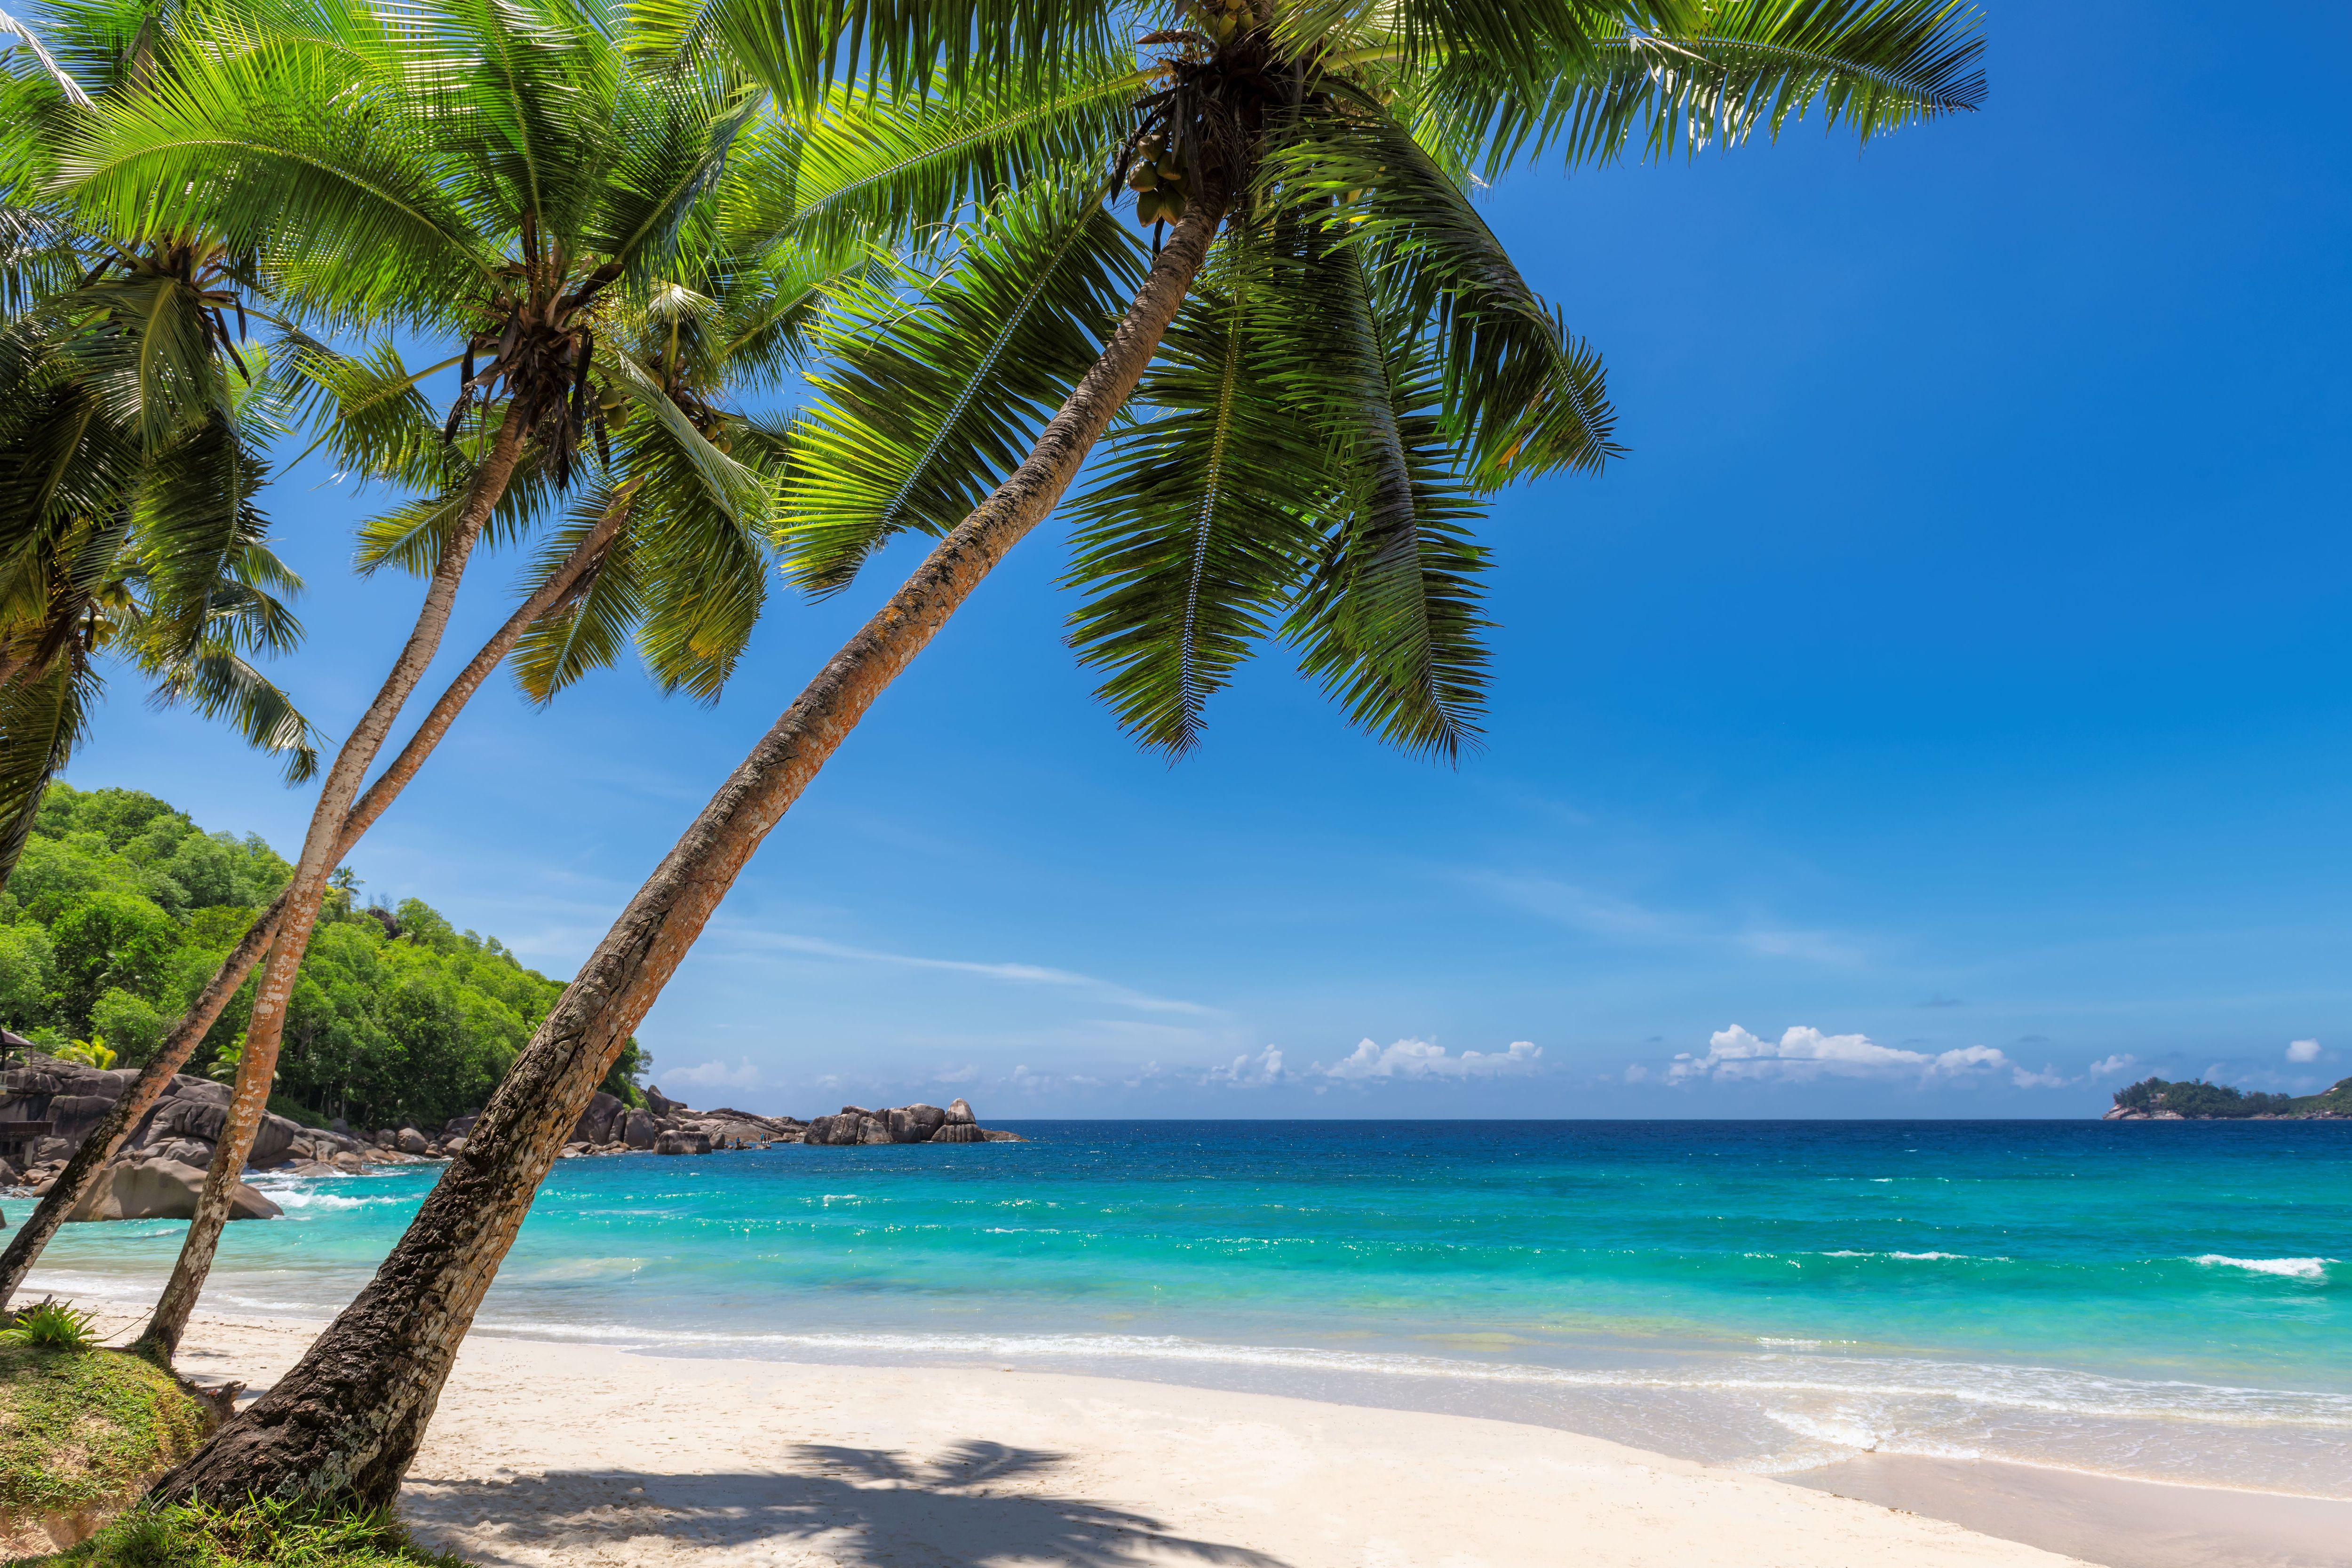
[{"x": 2160, "y": 1300}]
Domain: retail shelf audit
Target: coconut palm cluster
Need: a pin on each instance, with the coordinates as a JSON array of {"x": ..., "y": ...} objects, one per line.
[{"x": 694, "y": 292}]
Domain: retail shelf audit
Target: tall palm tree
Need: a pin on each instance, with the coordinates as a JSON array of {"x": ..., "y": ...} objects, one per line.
[
  {"x": 488, "y": 169},
  {"x": 1353, "y": 361}
]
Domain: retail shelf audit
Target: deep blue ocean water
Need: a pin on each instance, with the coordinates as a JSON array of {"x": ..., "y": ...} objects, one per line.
[{"x": 2169, "y": 1300}]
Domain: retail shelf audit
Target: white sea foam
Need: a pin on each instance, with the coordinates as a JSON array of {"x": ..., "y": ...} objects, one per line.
[
  {"x": 2285, "y": 1267},
  {"x": 2052, "y": 1390}
]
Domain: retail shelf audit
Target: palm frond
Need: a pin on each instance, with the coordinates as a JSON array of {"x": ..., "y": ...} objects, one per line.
[
  {"x": 1523, "y": 395},
  {"x": 42, "y": 721},
  {"x": 1198, "y": 527},
  {"x": 30, "y": 42},
  {"x": 933, "y": 398},
  {"x": 218, "y": 684},
  {"x": 588, "y": 629},
  {"x": 1722, "y": 76},
  {"x": 866, "y": 163},
  {"x": 370, "y": 417},
  {"x": 800, "y": 48},
  {"x": 1388, "y": 622},
  {"x": 701, "y": 568}
]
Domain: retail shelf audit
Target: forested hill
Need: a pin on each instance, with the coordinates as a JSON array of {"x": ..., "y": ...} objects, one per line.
[{"x": 122, "y": 908}]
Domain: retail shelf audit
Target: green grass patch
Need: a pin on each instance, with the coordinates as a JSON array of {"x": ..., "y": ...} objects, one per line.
[
  {"x": 80, "y": 1427},
  {"x": 275, "y": 1534}
]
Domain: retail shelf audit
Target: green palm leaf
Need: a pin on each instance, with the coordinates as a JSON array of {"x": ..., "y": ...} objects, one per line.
[
  {"x": 933, "y": 398},
  {"x": 1721, "y": 76},
  {"x": 42, "y": 721},
  {"x": 587, "y": 630},
  {"x": 1523, "y": 395},
  {"x": 1194, "y": 534},
  {"x": 219, "y": 685},
  {"x": 1389, "y": 620}
]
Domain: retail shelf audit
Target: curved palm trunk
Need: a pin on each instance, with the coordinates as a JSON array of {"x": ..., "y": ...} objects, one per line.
[
  {"x": 346, "y": 1420},
  {"x": 305, "y": 895},
  {"x": 105, "y": 1140}
]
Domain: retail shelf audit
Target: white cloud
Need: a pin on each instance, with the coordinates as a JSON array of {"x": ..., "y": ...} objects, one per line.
[
  {"x": 1421, "y": 1059},
  {"x": 1636, "y": 1073},
  {"x": 1606, "y": 915},
  {"x": 1023, "y": 974},
  {"x": 1803, "y": 1053},
  {"x": 717, "y": 1075},
  {"x": 1260, "y": 1071},
  {"x": 2106, "y": 1066},
  {"x": 2048, "y": 1078},
  {"x": 2303, "y": 1052},
  {"x": 1817, "y": 947}
]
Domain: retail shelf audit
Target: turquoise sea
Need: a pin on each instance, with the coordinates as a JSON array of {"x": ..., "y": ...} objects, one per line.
[{"x": 2161, "y": 1299}]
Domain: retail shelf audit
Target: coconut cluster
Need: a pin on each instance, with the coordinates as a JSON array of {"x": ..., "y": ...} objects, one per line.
[
  {"x": 1157, "y": 182},
  {"x": 1224, "y": 17}
]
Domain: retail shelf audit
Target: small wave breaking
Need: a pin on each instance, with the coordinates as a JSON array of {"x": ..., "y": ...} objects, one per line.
[{"x": 2283, "y": 1268}]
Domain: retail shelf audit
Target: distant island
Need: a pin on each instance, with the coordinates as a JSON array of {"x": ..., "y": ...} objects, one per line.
[{"x": 2153, "y": 1099}]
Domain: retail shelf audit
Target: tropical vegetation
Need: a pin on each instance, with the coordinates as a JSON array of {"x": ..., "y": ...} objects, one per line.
[
  {"x": 81, "y": 1427},
  {"x": 261, "y": 1533},
  {"x": 2197, "y": 1101},
  {"x": 119, "y": 913}
]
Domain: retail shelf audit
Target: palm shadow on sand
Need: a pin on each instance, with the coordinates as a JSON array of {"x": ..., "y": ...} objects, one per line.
[{"x": 857, "y": 1505}]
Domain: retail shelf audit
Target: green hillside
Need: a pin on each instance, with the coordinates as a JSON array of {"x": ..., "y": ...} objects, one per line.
[{"x": 122, "y": 908}]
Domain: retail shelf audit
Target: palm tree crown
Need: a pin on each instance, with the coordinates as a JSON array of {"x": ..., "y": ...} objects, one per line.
[{"x": 1359, "y": 365}]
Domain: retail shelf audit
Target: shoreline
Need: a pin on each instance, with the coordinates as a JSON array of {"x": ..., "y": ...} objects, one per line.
[{"x": 643, "y": 1460}]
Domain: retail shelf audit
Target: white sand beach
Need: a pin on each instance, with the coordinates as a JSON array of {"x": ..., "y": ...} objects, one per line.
[{"x": 547, "y": 1453}]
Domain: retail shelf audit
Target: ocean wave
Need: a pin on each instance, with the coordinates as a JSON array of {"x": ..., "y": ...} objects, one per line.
[
  {"x": 2284, "y": 1267},
  {"x": 1845, "y": 1431},
  {"x": 312, "y": 1198},
  {"x": 2045, "y": 1389}
]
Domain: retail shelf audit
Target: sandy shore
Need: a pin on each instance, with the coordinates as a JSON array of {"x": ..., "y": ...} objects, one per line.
[
  {"x": 549, "y": 1454},
  {"x": 2105, "y": 1518}
]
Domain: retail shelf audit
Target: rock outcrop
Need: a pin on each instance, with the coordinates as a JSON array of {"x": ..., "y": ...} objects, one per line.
[
  {"x": 178, "y": 1133},
  {"x": 906, "y": 1124},
  {"x": 172, "y": 1145},
  {"x": 153, "y": 1188},
  {"x": 610, "y": 1127}
]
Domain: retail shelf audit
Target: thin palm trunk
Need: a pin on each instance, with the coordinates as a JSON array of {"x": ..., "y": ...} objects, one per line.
[
  {"x": 105, "y": 1141},
  {"x": 306, "y": 894},
  {"x": 347, "y": 1420}
]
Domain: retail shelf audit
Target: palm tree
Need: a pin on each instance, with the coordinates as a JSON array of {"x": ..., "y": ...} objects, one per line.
[
  {"x": 1349, "y": 361},
  {"x": 155, "y": 555},
  {"x": 131, "y": 421},
  {"x": 488, "y": 169}
]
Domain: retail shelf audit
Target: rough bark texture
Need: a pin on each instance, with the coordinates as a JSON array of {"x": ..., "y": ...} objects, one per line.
[
  {"x": 346, "y": 1420},
  {"x": 299, "y": 916},
  {"x": 105, "y": 1141}
]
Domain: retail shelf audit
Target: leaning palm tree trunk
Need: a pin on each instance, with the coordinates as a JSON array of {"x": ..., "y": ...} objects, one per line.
[
  {"x": 348, "y": 1418},
  {"x": 306, "y": 893},
  {"x": 105, "y": 1141}
]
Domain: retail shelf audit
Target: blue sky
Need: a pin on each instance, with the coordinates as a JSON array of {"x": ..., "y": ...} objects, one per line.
[{"x": 1942, "y": 712}]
